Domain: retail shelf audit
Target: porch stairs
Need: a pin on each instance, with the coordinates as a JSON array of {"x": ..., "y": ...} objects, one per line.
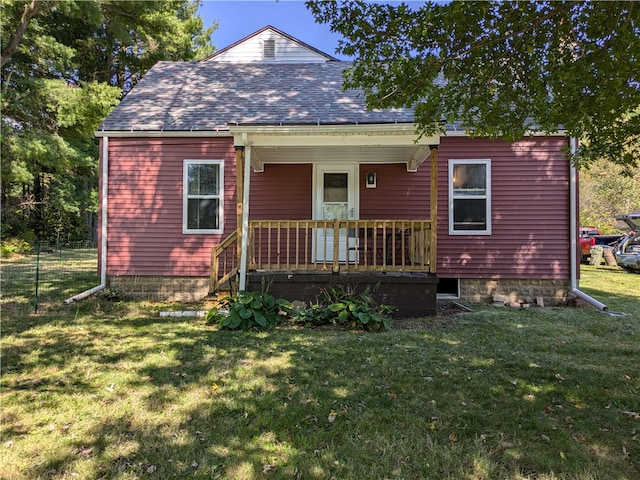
[{"x": 225, "y": 265}]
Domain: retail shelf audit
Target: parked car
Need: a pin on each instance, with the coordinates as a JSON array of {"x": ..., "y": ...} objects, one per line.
[
  {"x": 627, "y": 251},
  {"x": 587, "y": 237},
  {"x": 592, "y": 236}
]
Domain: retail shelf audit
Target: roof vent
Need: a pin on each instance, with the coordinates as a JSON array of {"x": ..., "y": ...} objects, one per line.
[{"x": 269, "y": 49}]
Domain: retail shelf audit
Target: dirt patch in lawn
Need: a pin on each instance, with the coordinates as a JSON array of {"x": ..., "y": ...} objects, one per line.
[{"x": 446, "y": 315}]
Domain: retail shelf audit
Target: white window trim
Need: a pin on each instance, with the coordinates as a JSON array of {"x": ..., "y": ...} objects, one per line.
[
  {"x": 185, "y": 196},
  {"x": 487, "y": 197}
]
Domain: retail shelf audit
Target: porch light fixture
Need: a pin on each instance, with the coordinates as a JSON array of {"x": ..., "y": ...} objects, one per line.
[{"x": 371, "y": 179}]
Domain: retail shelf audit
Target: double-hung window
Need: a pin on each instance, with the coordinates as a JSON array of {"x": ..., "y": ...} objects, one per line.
[
  {"x": 203, "y": 189},
  {"x": 470, "y": 197}
]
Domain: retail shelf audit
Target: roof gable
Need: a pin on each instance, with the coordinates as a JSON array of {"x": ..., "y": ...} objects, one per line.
[{"x": 269, "y": 45}]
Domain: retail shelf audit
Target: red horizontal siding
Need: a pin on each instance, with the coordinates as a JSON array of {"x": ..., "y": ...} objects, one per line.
[
  {"x": 145, "y": 206},
  {"x": 530, "y": 211},
  {"x": 398, "y": 194},
  {"x": 281, "y": 192},
  {"x": 530, "y": 205}
]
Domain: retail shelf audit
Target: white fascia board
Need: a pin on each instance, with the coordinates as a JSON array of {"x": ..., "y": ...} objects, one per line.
[
  {"x": 332, "y": 135},
  {"x": 160, "y": 134},
  {"x": 529, "y": 133}
]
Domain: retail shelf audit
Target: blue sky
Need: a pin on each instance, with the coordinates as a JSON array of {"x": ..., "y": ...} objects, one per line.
[{"x": 239, "y": 18}]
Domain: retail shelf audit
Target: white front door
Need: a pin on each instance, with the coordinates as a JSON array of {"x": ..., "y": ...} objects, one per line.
[{"x": 336, "y": 194}]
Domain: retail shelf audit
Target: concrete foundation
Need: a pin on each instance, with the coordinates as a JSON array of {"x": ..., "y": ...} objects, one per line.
[{"x": 554, "y": 292}]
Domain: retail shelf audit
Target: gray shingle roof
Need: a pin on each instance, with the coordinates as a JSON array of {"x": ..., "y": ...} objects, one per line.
[{"x": 191, "y": 96}]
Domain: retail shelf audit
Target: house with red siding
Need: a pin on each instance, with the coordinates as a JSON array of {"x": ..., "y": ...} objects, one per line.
[{"x": 254, "y": 168}]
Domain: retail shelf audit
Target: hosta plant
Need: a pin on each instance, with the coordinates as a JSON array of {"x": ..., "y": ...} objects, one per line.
[
  {"x": 347, "y": 309},
  {"x": 248, "y": 310}
]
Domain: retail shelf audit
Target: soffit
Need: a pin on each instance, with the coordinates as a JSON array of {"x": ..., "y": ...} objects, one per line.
[{"x": 397, "y": 143}]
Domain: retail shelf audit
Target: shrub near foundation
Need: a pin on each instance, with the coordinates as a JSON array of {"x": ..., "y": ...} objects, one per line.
[
  {"x": 250, "y": 310},
  {"x": 346, "y": 309}
]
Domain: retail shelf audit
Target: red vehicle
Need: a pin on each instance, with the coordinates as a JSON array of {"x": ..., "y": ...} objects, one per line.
[{"x": 587, "y": 237}]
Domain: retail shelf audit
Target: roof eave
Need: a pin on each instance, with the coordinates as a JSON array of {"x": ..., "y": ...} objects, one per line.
[{"x": 163, "y": 133}]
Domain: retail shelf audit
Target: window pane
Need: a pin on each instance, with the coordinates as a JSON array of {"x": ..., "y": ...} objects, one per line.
[
  {"x": 469, "y": 214},
  {"x": 335, "y": 187},
  {"x": 203, "y": 179},
  {"x": 332, "y": 211},
  {"x": 202, "y": 214},
  {"x": 469, "y": 179}
]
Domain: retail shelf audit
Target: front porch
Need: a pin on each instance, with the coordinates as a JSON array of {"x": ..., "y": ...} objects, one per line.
[{"x": 296, "y": 259}]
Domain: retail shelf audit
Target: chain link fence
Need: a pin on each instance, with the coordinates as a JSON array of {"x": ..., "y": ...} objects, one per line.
[{"x": 49, "y": 273}]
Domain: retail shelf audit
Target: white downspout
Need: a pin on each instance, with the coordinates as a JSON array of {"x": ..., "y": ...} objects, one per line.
[
  {"x": 103, "y": 229},
  {"x": 573, "y": 203},
  {"x": 244, "y": 243}
]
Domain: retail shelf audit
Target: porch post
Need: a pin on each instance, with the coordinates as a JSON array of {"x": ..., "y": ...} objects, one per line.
[
  {"x": 433, "y": 203},
  {"x": 244, "y": 225},
  {"x": 239, "y": 195}
]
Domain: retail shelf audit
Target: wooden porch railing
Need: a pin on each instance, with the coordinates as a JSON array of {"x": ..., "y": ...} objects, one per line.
[
  {"x": 310, "y": 245},
  {"x": 224, "y": 262},
  {"x": 363, "y": 245}
]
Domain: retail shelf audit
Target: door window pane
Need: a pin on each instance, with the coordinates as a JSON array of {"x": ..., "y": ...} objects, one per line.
[{"x": 335, "y": 187}]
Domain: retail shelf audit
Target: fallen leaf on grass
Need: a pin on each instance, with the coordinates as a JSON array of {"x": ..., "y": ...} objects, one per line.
[
  {"x": 332, "y": 416},
  {"x": 84, "y": 451},
  {"x": 151, "y": 469},
  {"x": 635, "y": 415},
  {"x": 65, "y": 428},
  {"x": 453, "y": 437}
]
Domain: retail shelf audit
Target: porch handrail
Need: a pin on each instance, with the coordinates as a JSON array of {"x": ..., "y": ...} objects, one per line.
[
  {"x": 224, "y": 262},
  {"x": 363, "y": 245}
]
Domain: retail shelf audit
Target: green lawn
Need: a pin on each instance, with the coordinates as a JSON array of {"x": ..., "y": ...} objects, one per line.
[
  {"x": 53, "y": 275},
  {"x": 104, "y": 389}
]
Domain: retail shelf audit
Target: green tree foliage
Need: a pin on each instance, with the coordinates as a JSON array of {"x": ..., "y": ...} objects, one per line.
[
  {"x": 605, "y": 193},
  {"x": 65, "y": 65},
  {"x": 501, "y": 68}
]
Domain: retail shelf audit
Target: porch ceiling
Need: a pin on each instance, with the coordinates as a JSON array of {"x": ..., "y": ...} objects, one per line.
[
  {"x": 413, "y": 155},
  {"x": 396, "y": 143}
]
